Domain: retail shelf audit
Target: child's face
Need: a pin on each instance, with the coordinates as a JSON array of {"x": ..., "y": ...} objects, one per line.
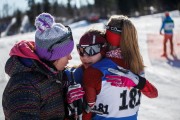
[
  {"x": 62, "y": 62},
  {"x": 89, "y": 60}
]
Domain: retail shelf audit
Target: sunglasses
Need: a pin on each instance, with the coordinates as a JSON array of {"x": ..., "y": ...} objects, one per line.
[
  {"x": 113, "y": 29},
  {"x": 90, "y": 50},
  {"x": 68, "y": 36}
]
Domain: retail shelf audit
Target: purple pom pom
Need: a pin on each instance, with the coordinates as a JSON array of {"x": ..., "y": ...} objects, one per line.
[{"x": 44, "y": 21}]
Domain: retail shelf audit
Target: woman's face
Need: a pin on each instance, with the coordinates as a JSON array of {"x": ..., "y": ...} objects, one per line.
[
  {"x": 62, "y": 62},
  {"x": 89, "y": 60}
]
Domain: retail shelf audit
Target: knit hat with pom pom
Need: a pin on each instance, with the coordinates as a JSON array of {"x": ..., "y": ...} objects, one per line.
[{"x": 52, "y": 40}]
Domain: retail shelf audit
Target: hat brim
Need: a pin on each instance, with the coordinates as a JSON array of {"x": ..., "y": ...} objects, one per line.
[{"x": 57, "y": 52}]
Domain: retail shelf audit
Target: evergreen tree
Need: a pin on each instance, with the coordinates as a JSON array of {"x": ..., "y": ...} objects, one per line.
[
  {"x": 69, "y": 8},
  {"x": 46, "y": 6},
  {"x": 31, "y": 11},
  {"x": 55, "y": 7},
  {"x": 18, "y": 15}
]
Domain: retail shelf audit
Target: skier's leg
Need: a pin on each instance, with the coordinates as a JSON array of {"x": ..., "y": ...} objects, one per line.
[
  {"x": 171, "y": 45},
  {"x": 164, "y": 46}
]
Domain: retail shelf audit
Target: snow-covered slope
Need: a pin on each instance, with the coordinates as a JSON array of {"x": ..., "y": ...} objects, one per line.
[{"x": 162, "y": 74}]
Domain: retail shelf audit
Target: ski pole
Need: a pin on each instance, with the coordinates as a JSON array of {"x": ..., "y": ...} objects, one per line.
[{"x": 78, "y": 103}]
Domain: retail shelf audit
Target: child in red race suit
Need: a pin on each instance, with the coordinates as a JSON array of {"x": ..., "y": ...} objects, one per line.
[
  {"x": 112, "y": 91},
  {"x": 91, "y": 48}
]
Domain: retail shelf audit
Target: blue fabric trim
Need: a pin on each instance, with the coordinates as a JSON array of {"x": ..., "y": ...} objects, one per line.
[
  {"x": 134, "y": 117},
  {"x": 78, "y": 74},
  {"x": 103, "y": 66},
  {"x": 26, "y": 61}
]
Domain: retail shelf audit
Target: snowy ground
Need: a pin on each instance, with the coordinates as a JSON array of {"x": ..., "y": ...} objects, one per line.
[{"x": 163, "y": 75}]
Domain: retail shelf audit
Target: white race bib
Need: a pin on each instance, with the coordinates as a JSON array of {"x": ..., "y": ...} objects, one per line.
[
  {"x": 169, "y": 26},
  {"x": 117, "y": 101}
]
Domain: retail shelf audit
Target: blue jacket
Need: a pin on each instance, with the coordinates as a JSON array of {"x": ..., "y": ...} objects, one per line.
[{"x": 167, "y": 25}]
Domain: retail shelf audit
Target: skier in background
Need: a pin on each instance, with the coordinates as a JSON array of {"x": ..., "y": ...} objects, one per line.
[{"x": 167, "y": 25}]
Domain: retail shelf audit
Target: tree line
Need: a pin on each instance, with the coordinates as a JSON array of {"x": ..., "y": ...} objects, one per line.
[{"x": 103, "y": 8}]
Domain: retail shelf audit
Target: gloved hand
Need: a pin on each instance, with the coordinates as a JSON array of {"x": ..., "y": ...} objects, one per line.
[
  {"x": 125, "y": 73},
  {"x": 131, "y": 76},
  {"x": 75, "y": 92},
  {"x": 120, "y": 81},
  {"x": 90, "y": 108}
]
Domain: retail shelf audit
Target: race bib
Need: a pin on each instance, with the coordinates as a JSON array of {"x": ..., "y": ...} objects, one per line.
[
  {"x": 117, "y": 102},
  {"x": 169, "y": 26}
]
